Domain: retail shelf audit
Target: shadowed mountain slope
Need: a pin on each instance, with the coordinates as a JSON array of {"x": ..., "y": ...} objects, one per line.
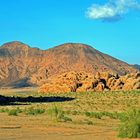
[
  {"x": 137, "y": 67},
  {"x": 22, "y": 65}
]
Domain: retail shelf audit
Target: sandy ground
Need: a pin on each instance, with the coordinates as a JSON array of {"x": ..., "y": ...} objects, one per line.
[
  {"x": 29, "y": 127},
  {"x": 36, "y": 128}
]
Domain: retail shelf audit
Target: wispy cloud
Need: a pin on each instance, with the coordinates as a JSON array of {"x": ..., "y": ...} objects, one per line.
[{"x": 114, "y": 10}]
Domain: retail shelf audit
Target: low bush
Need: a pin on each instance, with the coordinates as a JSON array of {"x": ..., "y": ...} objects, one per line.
[
  {"x": 13, "y": 112},
  {"x": 97, "y": 115},
  {"x": 130, "y": 124},
  {"x": 3, "y": 110},
  {"x": 57, "y": 114},
  {"x": 111, "y": 115},
  {"x": 66, "y": 119},
  {"x": 34, "y": 111}
]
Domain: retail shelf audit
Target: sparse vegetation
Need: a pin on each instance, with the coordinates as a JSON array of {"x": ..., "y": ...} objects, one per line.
[
  {"x": 13, "y": 112},
  {"x": 87, "y": 121},
  {"x": 34, "y": 111},
  {"x": 3, "y": 110},
  {"x": 130, "y": 124},
  {"x": 90, "y": 109},
  {"x": 57, "y": 114},
  {"x": 97, "y": 115}
]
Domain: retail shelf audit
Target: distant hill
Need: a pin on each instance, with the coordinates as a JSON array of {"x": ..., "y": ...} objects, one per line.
[
  {"x": 21, "y": 65},
  {"x": 137, "y": 67}
]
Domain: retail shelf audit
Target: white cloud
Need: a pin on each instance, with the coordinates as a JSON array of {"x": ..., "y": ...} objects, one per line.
[{"x": 113, "y": 10}]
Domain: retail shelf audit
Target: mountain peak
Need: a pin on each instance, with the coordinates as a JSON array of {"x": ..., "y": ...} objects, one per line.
[
  {"x": 15, "y": 44},
  {"x": 14, "y": 48},
  {"x": 74, "y": 45},
  {"x": 73, "y": 48}
]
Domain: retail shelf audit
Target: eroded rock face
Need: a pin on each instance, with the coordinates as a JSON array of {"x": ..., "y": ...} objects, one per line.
[{"x": 82, "y": 82}]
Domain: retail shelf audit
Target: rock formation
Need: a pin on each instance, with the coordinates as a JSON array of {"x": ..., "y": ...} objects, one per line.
[{"x": 82, "y": 82}]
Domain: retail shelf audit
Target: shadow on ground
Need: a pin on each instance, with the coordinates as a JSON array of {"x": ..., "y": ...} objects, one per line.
[{"x": 25, "y": 100}]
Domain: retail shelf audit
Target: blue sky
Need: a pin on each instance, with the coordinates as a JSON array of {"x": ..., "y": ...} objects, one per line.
[{"x": 112, "y": 27}]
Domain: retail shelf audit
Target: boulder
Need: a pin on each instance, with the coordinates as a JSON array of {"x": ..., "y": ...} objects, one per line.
[
  {"x": 100, "y": 87},
  {"x": 82, "y": 82}
]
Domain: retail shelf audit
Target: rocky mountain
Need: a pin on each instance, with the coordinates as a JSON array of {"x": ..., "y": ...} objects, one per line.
[{"x": 21, "y": 65}]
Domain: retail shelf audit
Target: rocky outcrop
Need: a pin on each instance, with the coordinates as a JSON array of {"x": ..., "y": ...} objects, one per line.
[{"x": 82, "y": 82}]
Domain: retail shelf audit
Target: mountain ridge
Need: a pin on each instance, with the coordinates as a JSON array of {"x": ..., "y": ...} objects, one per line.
[{"x": 20, "y": 61}]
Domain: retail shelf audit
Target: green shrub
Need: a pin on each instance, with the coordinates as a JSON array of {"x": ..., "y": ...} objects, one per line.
[
  {"x": 97, "y": 115},
  {"x": 34, "y": 111},
  {"x": 2, "y": 110},
  {"x": 13, "y": 112},
  {"x": 57, "y": 114},
  {"x": 66, "y": 119},
  {"x": 111, "y": 115},
  {"x": 18, "y": 110},
  {"x": 130, "y": 124}
]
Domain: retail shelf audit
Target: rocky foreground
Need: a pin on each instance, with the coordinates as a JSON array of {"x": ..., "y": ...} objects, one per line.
[{"x": 82, "y": 82}]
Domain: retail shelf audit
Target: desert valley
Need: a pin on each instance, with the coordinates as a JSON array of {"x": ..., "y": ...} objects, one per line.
[
  {"x": 69, "y": 69},
  {"x": 71, "y": 91}
]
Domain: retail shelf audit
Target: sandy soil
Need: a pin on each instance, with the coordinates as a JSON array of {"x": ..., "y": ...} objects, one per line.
[
  {"x": 36, "y": 128},
  {"x": 40, "y": 127}
]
